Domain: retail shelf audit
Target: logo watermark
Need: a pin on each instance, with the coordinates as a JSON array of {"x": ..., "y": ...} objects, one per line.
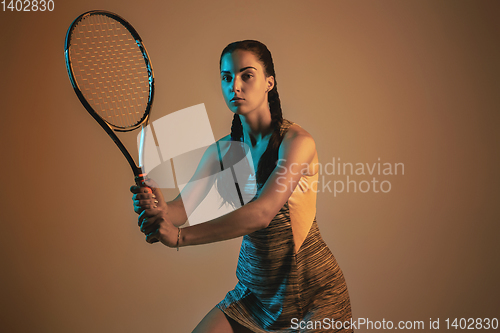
[
  {"x": 343, "y": 177},
  {"x": 367, "y": 324}
]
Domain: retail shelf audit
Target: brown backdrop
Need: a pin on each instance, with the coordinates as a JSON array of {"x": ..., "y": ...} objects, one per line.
[{"x": 412, "y": 82}]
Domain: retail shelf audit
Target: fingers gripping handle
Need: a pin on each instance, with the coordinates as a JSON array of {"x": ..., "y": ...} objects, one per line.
[{"x": 140, "y": 181}]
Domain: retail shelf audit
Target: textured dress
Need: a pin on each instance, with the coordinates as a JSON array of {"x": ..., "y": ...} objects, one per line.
[{"x": 281, "y": 289}]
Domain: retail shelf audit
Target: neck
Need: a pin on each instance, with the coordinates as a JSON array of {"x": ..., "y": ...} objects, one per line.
[{"x": 256, "y": 126}]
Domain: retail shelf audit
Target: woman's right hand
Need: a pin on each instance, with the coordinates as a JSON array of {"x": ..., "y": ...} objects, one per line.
[
  {"x": 150, "y": 205},
  {"x": 143, "y": 198},
  {"x": 147, "y": 197}
]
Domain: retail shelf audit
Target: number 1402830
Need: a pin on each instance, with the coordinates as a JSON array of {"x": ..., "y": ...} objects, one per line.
[{"x": 27, "y": 5}]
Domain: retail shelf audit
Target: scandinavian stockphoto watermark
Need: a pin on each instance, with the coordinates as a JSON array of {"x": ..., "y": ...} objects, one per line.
[
  {"x": 367, "y": 324},
  {"x": 355, "y": 324},
  {"x": 343, "y": 177}
]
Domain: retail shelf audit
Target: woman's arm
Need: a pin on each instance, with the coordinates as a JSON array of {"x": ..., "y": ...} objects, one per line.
[
  {"x": 297, "y": 150},
  {"x": 191, "y": 195}
]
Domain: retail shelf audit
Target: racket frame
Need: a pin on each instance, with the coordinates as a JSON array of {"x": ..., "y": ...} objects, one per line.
[{"x": 108, "y": 127}]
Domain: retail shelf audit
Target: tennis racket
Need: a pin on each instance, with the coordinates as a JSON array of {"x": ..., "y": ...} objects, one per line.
[{"x": 112, "y": 76}]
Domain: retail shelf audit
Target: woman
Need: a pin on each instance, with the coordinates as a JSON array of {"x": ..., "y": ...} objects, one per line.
[{"x": 288, "y": 277}]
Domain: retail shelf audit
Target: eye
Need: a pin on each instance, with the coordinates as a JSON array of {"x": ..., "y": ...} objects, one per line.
[
  {"x": 247, "y": 76},
  {"x": 226, "y": 78}
]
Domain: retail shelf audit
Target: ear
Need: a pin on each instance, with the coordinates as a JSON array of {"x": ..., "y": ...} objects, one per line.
[{"x": 270, "y": 83}]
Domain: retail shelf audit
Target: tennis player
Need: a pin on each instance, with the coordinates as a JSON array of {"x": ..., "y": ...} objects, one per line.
[{"x": 288, "y": 279}]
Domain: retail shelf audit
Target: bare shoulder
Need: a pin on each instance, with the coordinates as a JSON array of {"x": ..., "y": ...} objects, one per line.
[
  {"x": 298, "y": 147},
  {"x": 297, "y": 137}
]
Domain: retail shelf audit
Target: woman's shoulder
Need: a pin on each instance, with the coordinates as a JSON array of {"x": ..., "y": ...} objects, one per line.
[
  {"x": 291, "y": 131},
  {"x": 298, "y": 144}
]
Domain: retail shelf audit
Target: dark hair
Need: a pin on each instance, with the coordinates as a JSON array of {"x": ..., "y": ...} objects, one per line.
[{"x": 269, "y": 158}]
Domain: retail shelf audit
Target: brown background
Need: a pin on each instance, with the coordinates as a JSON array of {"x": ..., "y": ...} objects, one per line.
[{"x": 413, "y": 82}]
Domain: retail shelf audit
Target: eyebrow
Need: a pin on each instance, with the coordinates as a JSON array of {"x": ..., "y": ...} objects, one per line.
[{"x": 241, "y": 70}]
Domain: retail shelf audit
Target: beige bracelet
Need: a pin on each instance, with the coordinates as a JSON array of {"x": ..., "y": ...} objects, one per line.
[{"x": 178, "y": 237}]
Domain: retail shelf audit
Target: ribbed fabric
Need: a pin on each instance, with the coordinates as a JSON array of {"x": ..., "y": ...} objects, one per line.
[{"x": 277, "y": 285}]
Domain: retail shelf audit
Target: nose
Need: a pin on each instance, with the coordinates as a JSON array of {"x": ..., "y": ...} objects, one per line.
[{"x": 236, "y": 86}]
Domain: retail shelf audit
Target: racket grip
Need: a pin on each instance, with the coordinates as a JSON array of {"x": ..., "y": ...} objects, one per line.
[{"x": 140, "y": 180}]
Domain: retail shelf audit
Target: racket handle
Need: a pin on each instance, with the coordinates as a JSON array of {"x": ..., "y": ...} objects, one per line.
[{"x": 140, "y": 180}]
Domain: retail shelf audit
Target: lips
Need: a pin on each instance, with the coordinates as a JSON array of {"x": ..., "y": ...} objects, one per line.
[{"x": 234, "y": 99}]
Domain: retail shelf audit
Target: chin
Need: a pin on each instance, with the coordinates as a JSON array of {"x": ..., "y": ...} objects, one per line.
[{"x": 238, "y": 110}]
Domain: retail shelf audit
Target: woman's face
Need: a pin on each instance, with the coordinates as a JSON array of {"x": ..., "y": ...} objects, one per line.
[{"x": 244, "y": 83}]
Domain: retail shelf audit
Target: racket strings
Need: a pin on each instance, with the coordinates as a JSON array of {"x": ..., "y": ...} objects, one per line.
[{"x": 110, "y": 70}]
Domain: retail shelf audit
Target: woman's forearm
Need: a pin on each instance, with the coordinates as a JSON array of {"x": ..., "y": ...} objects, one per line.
[
  {"x": 243, "y": 221},
  {"x": 176, "y": 212}
]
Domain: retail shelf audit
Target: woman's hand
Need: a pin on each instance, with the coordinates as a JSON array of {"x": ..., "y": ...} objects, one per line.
[
  {"x": 153, "y": 215},
  {"x": 156, "y": 225},
  {"x": 147, "y": 197}
]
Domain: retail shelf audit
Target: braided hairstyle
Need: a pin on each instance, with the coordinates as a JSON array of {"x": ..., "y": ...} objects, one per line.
[{"x": 269, "y": 158}]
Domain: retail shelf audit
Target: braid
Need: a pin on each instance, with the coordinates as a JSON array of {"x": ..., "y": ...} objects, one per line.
[
  {"x": 236, "y": 129},
  {"x": 233, "y": 155},
  {"x": 276, "y": 112},
  {"x": 269, "y": 158}
]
